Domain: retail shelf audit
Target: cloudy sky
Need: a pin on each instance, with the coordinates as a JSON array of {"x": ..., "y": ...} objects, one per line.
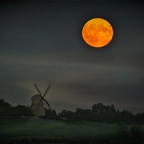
[{"x": 41, "y": 42}]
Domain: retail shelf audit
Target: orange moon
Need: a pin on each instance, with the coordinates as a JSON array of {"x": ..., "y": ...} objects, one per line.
[{"x": 97, "y": 32}]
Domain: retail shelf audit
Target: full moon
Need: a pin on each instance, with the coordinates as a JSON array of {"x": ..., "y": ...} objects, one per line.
[{"x": 97, "y": 32}]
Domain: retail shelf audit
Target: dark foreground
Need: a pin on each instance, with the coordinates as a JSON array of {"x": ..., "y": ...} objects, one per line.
[
  {"x": 39, "y": 140},
  {"x": 46, "y": 131}
]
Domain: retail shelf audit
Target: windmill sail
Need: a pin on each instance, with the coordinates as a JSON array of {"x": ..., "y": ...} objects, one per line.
[
  {"x": 47, "y": 103},
  {"x": 37, "y": 89},
  {"x": 46, "y": 91}
]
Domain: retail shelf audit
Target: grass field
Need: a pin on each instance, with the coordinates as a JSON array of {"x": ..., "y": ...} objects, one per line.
[
  {"x": 55, "y": 128},
  {"x": 37, "y": 127}
]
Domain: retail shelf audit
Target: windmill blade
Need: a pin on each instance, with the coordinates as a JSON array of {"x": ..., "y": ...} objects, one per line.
[
  {"x": 48, "y": 88},
  {"x": 47, "y": 103},
  {"x": 37, "y": 89}
]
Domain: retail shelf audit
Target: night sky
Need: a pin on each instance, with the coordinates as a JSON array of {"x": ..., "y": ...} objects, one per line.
[{"x": 41, "y": 42}]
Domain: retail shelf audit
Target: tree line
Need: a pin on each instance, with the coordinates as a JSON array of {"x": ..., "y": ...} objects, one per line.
[
  {"x": 104, "y": 113},
  {"x": 7, "y": 109},
  {"x": 98, "y": 113}
]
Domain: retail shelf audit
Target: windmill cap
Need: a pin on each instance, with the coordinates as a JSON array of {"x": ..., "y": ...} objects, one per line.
[{"x": 36, "y": 97}]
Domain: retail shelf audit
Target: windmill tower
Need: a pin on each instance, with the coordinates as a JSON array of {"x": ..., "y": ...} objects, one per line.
[{"x": 37, "y": 106}]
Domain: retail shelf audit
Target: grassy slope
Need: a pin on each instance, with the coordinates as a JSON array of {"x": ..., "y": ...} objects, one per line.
[{"x": 56, "y": 129}]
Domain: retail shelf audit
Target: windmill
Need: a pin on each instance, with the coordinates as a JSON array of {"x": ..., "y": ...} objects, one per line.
[{"x": 37, "y": 106}]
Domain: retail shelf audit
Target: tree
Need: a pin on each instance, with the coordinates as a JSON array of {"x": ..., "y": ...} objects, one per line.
[
  {"x": 4, "y": 108},
  {"x": 127, "y": 117},
  {"x": 51, "y": 113},
  {"x": 139, "y": 118},
  {"x": 21, "y": 110},
  {"x": 83, "y": 114}
]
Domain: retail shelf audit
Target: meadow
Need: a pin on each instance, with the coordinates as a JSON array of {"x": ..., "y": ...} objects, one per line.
[
  {"x": 38, "y": 127},
  {"x": 56, "y": 129}
]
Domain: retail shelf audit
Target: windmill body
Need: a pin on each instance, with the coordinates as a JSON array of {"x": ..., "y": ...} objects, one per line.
[{"x": 37, "y": 106}]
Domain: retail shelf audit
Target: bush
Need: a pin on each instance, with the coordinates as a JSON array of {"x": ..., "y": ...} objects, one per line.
[
  {"x": 137, "y": 133},
  {"x": 123, "y": 131}
]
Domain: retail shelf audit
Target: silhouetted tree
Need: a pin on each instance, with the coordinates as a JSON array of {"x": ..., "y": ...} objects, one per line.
[
  {"x": 7, "y": 110},
  {"x": 21, "y": 110},
  {"x": 104, "y": 113},
  {"x": 139, "y": 118},
  {"x": 83, "y": 114},
  {"x": 4, "y": 108},
  {"x": 126, "y": 117},
  {"x": 67, "y": 114},
  {"x": 51, "y": 113}
]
